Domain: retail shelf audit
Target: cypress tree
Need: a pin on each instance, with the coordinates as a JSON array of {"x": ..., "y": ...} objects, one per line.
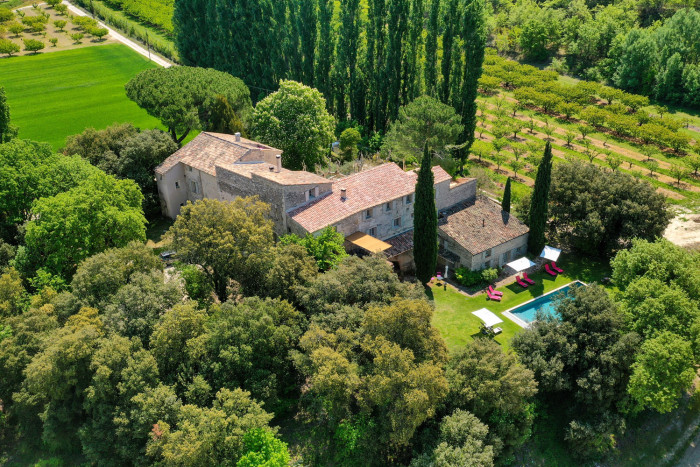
[
  {"x": 540, "y": 200},
  {"x": 223, "y": 118},
  {"x": 505, "y": 204},
  {"x": 473, "y": 46},
  {"x": 431, "y": 49},
  {"x": 425, "y": 242},
  {"x": 7, "y": 131}
]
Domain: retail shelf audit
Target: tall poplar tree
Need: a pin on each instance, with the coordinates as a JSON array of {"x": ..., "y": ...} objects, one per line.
[
  {"x": 191, "y": 31},
  {"x": 374, "y": 64},
  {"x": 451, "y": 22},
  {"x": 325, "y": 50},
  {"x": 540, "y": 201},
  {"x": 398, "y": 18},
  {"x": 425, "y": 242},
  {"x": 473, "y": 47},
  {"x": 431, "y": 49},
  {"x": 308, "y": 20},
  {"x": 414, "y": 52},
  {"x": 505, "y": 204},
  {"x": 346, "y": 56}
]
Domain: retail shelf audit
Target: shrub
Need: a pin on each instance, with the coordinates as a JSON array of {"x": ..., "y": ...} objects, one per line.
[
  {"x": 489, "y": 275},
  {"x": 98, "y": 32},
  {"x": 6, "y": 15},
  {"x": 61, "y": 9},
  {"x": 8, "y": 47},
  {"x": 467, "y": 277},
  {"x": 77, "y": 37},
  {"x": 54, "y": 3},
  {"x": 16, "y": 28},
  {"x": 53, "y": 41},
  {"x": 60, "y": 24},
  {"x": 33, "y": 45}
]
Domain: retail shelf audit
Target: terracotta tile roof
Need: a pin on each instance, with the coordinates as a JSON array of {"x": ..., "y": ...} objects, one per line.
[
  {"x": 366, "y": 189},
  {"x": 284, "y": 177},
  {"x": 207, "y": 150},
  {"x": 400, "y": 243},
  {"x": 480, "y": 225}
]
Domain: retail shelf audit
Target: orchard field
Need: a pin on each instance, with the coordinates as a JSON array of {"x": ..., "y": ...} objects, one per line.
[
  {"x": 520, "y": 107},
  {"x": 55, "y": 95}
]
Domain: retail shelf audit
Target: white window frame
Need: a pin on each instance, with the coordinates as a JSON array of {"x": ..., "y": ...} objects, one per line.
[
  {"x": 389, "y": 206},
  {"x": 487, "y": 253},
  {"x": 372, "y": 232},
  {"x": 193, "y": 187},
  {"x": 399, "y": 223},
  {"x": 369, "y": 213},
  {"x": 408, "y": 199},
  {"x": 177, "y": 185}
]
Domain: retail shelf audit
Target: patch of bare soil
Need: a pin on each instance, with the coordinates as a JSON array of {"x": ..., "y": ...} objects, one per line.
[{"x": 684, "y": 230}]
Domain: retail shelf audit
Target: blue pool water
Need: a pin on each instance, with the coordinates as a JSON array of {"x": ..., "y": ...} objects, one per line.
[{"x": 528, "y": 311}]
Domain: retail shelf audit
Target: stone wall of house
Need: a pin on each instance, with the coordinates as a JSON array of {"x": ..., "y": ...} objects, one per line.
[
  {"x": 281, "y": 198},
  {"x": 450, "y": 193},
  {"x": 515, "y": 249},
  {"x": 382, "y": 220},
  {"x": 172, "y": 190}
]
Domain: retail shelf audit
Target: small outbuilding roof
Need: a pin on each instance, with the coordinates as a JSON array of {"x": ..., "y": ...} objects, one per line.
[
  {"x": 489, "y": 318},
  {"x": 367, "y": 242},
  {"x": 481, "y": 224}
]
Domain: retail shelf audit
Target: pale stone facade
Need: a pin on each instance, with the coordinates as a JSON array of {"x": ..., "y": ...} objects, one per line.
[{"x": 377, "y": 202}]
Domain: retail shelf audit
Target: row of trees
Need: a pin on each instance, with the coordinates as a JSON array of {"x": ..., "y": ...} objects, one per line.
[
  {"x": 367, "y": 63},
  {"x": 619, "y": 42},
  {"x": 622, "y": 114}
]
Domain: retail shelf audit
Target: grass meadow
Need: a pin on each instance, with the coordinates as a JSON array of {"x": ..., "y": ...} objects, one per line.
[{"x": 55, "y": 95}]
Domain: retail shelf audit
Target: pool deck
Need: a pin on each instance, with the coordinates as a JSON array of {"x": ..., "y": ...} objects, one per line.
[{"x": 525, "y": 324}]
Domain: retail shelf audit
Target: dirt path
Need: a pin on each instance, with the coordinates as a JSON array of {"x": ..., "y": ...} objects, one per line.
[{"x": 117, "y": 36}]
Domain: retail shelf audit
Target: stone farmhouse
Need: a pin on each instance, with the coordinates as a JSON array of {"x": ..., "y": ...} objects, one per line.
[{"x": 373, "y": 209}]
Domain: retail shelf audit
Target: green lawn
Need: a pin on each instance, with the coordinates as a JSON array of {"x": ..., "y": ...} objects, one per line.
[
  {"x": 58, "y": 94},
  {"x": 453, "y": 310}
]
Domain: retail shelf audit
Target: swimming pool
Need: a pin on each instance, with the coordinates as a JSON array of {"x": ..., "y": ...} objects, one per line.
[{"x": 526, "y": 313}]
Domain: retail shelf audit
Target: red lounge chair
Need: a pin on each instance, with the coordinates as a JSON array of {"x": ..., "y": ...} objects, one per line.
[
  {"x": 493, "y": 297},
  {"x": 520, "y": 282},
  {"x": 557, "y": 268},
  {"x": 549, "y": 271},
  {"x": 495, "y": 292},
  {"x": 527, "y": 279}
]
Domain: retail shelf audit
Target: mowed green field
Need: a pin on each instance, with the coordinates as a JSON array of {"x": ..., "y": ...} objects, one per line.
[{"x": 54, "y": 95}]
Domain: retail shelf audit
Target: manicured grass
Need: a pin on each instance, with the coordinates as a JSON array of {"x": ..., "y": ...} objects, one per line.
[
  {"x": 453, "y": 310},
  {"x": 55, "y": 95}
]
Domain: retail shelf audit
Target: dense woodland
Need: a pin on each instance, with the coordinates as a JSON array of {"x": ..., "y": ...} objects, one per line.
[{"x": 250, "y": 350}]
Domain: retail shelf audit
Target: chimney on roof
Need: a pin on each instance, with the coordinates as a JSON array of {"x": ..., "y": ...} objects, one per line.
[
  {"x": 278, "y": 163},
  {"x": 343, "y": 194},
  {"x": 237, "y": 136}
]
